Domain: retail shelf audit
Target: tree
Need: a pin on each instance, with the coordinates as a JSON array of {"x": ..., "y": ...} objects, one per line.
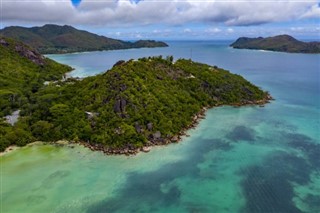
[{"x": 41, "y": 130}]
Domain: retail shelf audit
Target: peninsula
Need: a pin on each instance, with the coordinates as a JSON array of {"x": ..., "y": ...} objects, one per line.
[
  {"x": 280, "y": 43},
  {"x": 134, "y": 105},
  {"x": 53, "y": 39}
]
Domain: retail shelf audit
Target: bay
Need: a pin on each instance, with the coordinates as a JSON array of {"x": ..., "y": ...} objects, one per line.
[{"x": 247, "y": 159}]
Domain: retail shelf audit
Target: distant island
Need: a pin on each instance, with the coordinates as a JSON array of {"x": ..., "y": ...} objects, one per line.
[
  {"x": 53, "y": 39},
  {"x": 280, "y": 43},
  {"x": 134, "y": 105}
]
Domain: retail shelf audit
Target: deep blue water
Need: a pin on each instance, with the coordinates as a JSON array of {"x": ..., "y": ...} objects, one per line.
[{"x": 248, "y": 159}]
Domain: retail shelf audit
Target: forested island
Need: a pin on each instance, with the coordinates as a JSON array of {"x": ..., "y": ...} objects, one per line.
[
  {"x": 134, "y": 105},
  {"x": 280, "y": 43},
  {"x": 53, "y": 39}
]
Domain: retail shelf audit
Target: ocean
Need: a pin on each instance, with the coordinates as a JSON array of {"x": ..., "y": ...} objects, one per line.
[{"x": 247, "y": 159}]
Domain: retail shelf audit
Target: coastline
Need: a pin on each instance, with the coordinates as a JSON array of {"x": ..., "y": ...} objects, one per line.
[
  {"x": 98, "y": 50},
  {"x": 9, "y": 149},
  {"x": 274, "y": 51},
  {"x": 130, "y": 150},
  {"x": 12, "y": 148}
]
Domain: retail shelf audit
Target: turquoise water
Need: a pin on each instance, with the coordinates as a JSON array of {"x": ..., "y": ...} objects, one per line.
[{"x": 248, "y": 159}]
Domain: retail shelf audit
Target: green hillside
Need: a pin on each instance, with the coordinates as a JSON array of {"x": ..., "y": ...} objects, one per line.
[
  {"x": 50, "y": 39},
  {"x": 136, "y": 103},
  {"x": 22, "y": 72},
  {"x": 281, "y": 43}
]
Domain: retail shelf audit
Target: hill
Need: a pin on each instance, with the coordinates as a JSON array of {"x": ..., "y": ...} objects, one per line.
[
  {"x": 281, "y": 43},
  {"x": 135, "y": 104},
  {"x": 50, "y": 39},
  {"x": 23, "y": 72}
]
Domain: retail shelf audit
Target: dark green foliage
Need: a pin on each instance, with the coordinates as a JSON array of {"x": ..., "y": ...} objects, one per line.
[
  {"x": 23, "y": 72},
  {"x": 115, "y": 108},
  {"x": 151, "y": 99},
  {"x": 50, "y": 39},
  {"x": 146, "y": 43},
  {"x": 281, "y": 43},
  {"x": 19, "y": 134}
]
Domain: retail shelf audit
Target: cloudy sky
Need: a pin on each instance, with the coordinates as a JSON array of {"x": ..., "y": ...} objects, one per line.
[{"x": 171, "y": 19}]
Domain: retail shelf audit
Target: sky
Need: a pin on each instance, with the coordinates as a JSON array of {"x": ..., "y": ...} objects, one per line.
[{"x": 170, "y": 19}]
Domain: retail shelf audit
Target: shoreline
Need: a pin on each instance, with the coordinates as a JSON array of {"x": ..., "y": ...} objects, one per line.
[
  {"x": 9, "y": 149},
  {"x": 274, "y": 51},
  {"x": 130, "y": 150},
  {"x": 99, "y": 50},
  {"x": 12, "y": 148},
  {"x": 151, "y": 143}
]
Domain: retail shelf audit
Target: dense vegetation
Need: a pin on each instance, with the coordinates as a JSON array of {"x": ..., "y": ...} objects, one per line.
[
  {"x": 149, "y": 100},
  {"x": 50, "y": 39},
  {"x": 281, "y": 43},
  {"x": 23, "y": 72}
]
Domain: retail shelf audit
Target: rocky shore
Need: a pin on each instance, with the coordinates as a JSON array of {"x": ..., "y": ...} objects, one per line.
[{"x": 157, "y": 140}]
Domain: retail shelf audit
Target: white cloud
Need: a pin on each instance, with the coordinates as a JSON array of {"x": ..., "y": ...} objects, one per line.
[
  {"x": 147, "y": 12},
  {"x": 187, "y": 30},
  {"x": 314, "y": 12},
  {"x": 305, "y": 30},
  {"x": 138, "y": 35},
  {"x": 297, "y": 29},
  {"x": 230, "y": 30},
  {"x": 37, "y": 10},
  {"x": 213, "y": 30}
]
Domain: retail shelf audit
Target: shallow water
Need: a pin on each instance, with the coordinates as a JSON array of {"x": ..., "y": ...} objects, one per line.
[{"x": 247, "y": 159}]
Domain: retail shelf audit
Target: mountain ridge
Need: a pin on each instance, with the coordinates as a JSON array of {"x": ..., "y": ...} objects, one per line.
[
  {"x": 52, "y": 39},
  {"x": 280, "y": 43}
]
